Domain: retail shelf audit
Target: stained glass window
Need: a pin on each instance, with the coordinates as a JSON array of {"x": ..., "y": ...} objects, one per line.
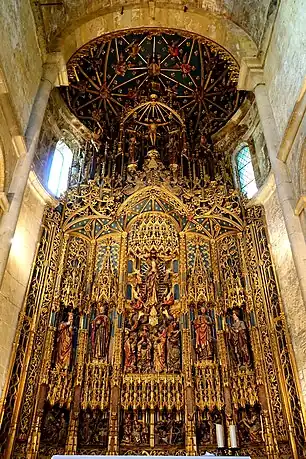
[
  {"x": 246, "y": 172},
  {"x": 61, "y": 162}
]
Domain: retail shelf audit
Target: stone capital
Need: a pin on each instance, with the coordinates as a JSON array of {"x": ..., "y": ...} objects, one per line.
[
  {"x": 251, "y": 74},
  {"x": 56, "y": 62}
]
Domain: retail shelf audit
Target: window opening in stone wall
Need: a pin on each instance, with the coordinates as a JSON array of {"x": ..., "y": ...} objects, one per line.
[
  {"x": 246, "y": 172},
  {"x": 59, "y": 171}
]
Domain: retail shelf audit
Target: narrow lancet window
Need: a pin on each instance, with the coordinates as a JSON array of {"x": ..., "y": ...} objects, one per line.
[
  {"x": 245, "y": 172},
  {"x": 59, "y": 171}
]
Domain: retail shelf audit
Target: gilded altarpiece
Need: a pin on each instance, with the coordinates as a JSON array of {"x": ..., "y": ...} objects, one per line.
[
  {"x": 152, "y": 315},
  {"x": 152, "y": 320}
]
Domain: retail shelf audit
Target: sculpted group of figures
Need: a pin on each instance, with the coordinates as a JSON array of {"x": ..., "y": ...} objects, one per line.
[
  {"x": 152, "y": 341},
  {"x": 155, "y": 348},
  {"x": 150, "y": 349},
  {"x": 168, "y": 430}
]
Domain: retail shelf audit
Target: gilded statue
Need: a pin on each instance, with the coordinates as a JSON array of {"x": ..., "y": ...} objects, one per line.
[
  {"x": 136, "y": 432},
  {"x": 173, "y": 348},
  {"x": 152, "y": 282},
  {"x": 204, "y": 339},
  {"x": 100, "y": 333},
  {"x": 238, "y": 341},
  {"x": 159, "y": 360},
  {"x": 144, "y": 351},
  {"x": 154, "y": 66},
  {"x": 130, "y": 344},
  {"x": 145, "y": 434},
  {"x": 127, "y": 429},
  {"x": 132, "y": 149},
  {"x": 64, "y": 342}
]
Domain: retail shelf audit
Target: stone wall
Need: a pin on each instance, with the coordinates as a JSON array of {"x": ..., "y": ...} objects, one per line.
[
  {"x": 17, "y": 273},
  {"x": 285, "y": 66},
  {"x": 247, "y": 14},
  {"x": 20, "y": 55},
  {"x": 284, "y": 71},
  {"x": 9, "y": 155},
  {"x": 288, "y": 283}
]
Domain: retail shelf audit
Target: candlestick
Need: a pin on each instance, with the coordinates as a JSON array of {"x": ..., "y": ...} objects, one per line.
[
  {"x": 220, "y": 435},
  {"x": 233, "y": 436}
]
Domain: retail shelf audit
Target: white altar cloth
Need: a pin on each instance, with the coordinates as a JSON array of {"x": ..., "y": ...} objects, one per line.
[{"x": 142, "y": 457}]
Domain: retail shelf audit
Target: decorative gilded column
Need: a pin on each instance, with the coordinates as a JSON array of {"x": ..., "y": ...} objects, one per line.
[
  {"x": 27, "y": 333},
  {"x": 17, "y": 188},
  {"x": 72, "y": 437},
  {"x": 114, "y": 410},
  {"x": 34, "y": 438},
  {"x": 191, "y": 447},
  {"x": 261, "y": 377}
]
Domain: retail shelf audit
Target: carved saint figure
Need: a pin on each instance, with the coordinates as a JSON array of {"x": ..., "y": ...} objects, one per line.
[
  {"x": 145, "y": 433},
  {"x": 130, "y": 351},
  {"x": 152, "y": 282},
  {"x": 127, "y": 429},
  {"x": 136, "y": 284},
  {"x": 160, "y": 352},
  {"x": 144, "y": 347},
  {"x": 203, "y": 330},
  {"x": 173, "y": 348},
  {"x": 100, "y": 333},
  {"x": 154, "y": 66},
  {"x": 132, "y": 149},
  {"x": 238, "y": 341},
  {"x": 64, "y": 342},
  {"x": 137, "y": 430}
]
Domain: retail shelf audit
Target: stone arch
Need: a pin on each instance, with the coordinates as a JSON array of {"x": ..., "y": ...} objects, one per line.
[{"x": 214, "y": 26}]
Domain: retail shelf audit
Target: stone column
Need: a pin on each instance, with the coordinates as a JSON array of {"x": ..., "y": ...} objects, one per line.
[
  {"x": 51, "y": 70},
  {"x": 251, "y": 79}
]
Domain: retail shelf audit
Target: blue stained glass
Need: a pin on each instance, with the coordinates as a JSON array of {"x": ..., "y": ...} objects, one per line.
[{"x": 246, "y": 172}]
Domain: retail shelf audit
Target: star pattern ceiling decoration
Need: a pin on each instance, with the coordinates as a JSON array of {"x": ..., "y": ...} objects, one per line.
[{"x": 114, "y": 73}]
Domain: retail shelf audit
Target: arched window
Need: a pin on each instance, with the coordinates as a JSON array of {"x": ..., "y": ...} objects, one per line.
[
  {"x": 245, "y": 172},
  {"x": 61, "y": 162}
]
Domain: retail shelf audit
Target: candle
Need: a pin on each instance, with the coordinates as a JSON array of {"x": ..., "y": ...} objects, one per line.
[
  {"x": 220, "y": 435},
  {"x": 233, "y": 437}
]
